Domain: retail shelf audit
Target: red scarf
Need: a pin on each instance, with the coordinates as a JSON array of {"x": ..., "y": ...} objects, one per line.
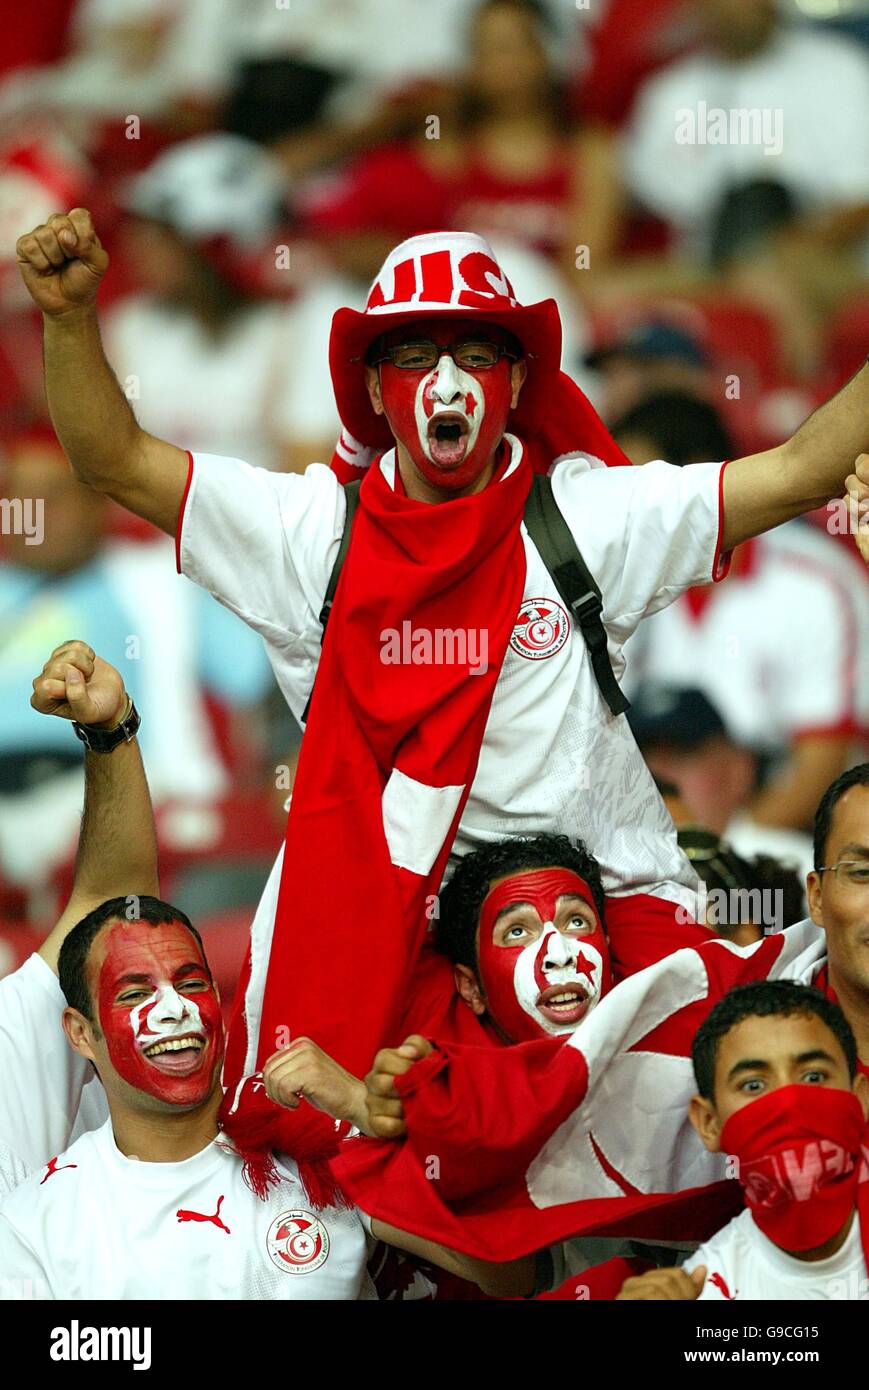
[{"x": 387, "y": 761}]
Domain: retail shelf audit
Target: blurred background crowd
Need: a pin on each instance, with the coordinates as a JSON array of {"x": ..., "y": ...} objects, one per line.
[{"x": 248, "y": 164}]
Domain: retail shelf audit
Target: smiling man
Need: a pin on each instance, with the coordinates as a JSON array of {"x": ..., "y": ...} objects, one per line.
[
  {"x": 151, "y": 1201},
  {"x": 427, "y": 760}
]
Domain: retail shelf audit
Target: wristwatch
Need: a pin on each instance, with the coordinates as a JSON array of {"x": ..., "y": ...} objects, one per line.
[{"x": 99, "y": 740}]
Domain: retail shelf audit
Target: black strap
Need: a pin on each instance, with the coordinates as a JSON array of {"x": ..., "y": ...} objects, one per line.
[
  {"x": 351, "y": 493},
  {"x": 561, "y": 556},
  {"x": 574, "y": 581}
]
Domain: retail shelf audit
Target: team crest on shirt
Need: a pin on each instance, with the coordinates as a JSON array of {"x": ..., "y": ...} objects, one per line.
[
  {"x": 541, "y": 629},
  {"x": 297, "y": 1242}
]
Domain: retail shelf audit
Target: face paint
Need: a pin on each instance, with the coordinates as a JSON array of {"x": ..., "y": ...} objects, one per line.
[
  {"x": 449, "y": 419},
  {"x": 548, "y": 985},
  {"x": 159, "y": 1012}
]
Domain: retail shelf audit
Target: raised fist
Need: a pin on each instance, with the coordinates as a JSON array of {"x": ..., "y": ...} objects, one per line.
[
  {"x": 75, "y": 683},
  {"x": 62, "y": 262}
]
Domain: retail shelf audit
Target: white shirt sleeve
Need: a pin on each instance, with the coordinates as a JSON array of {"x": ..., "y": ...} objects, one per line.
[
  {"x": 43, "y": 1080},
  {"x": 262, "y": 543},
  {"x": 646, "y": 533}
]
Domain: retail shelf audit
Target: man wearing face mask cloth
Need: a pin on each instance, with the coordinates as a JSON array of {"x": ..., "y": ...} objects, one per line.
[
  {"x": 780, "y": 1090},
  {"x": 459, "y": 385}
]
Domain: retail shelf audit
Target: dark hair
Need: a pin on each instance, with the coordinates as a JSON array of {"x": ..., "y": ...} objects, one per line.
[
  {"x": 73, "y": 958},
  {"x": 681, "y": 427},
  {"x": 765, "y": 999},
  {"x": 855, "y": 777},
  {"x": 462, "y": 898}
]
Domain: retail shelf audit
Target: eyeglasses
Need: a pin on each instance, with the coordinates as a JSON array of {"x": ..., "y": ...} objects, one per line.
[
  {"x": 854, "y": 872},
  {"x": 423, "y": 355}
]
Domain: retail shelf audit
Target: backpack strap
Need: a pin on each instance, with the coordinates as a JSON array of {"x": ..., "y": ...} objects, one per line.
[
  {"x": 351, "y": 493},
  {"x": 574, "y": 581}
]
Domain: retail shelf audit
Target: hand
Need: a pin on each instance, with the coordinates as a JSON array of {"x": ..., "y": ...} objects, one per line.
[
  {"x": 857, "y": 498},
  {"x": 304, "y": 1071},
  {"x": 77, "y": 684},
  {"x": 665, "y": 1284},
  {"x": 385, "y": 1110},
  {"x": 62, "y": 262}
]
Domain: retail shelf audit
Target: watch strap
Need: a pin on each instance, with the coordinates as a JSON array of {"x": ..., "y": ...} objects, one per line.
[{"x": 99, "y": 740}]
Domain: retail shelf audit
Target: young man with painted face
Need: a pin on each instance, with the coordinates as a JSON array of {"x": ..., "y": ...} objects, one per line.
[
  {"x": 779, "y": 1089},
  {"x": 438, "y": 759},
  {"x": 154, "y": 1203}
]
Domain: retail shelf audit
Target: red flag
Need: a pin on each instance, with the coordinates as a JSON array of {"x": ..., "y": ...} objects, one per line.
[{"x": 511, "y": 1149}]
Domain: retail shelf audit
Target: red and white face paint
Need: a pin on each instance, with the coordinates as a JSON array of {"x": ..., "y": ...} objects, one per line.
[
  {"x": 159, "y": 1012},
  {"x": 450, "y": 420},
  {"x": 546, "y": 985}
]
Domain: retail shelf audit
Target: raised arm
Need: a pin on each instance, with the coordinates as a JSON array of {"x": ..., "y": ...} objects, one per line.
[
  {"x": 62, "y": 263},
  {"x": 826, "y": 455},
  {"x": 117, "y": 851}
]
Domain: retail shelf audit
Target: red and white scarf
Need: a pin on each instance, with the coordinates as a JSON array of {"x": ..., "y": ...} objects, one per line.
[{"x": 387, "y": 761}]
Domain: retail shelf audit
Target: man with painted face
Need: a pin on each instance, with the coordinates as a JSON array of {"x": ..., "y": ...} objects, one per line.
[
  {"x": 153, "y": 1202},
  {"x": 779, "y": 1089},
  {"x": 429, "y": 760}
]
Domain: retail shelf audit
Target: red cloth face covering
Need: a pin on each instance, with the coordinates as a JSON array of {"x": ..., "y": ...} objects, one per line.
[
  {"x": 518, "y": 981},
  {"x": 799, "y": 1152},
  {"x": 477, "y": 403}
]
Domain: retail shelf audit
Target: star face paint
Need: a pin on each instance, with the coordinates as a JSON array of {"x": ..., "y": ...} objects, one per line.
[
  {"x": 555, "y": 974},
  {"x": 450, "y": 420},
  {"x": 159, "y": 1012}
]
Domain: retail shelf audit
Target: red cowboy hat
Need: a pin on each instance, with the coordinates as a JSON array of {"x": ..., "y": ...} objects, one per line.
[{"x": 453, "y": 273}]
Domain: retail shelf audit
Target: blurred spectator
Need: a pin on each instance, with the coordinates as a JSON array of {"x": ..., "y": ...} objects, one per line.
[
  {"x": 497, "y": 156},
  {"x": 652, "y": 356},
  {"x": 780, "y": 648},
  {"x": 756, "y": 152},
  {"x": 705, "y": 776},
  {"x": 169, "y": 639},
  {"x": 673, "y": 426},
  {"x": 203, "y": 359}
]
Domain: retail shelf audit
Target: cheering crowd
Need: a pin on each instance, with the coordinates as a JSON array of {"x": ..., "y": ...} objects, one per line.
[{"x": 556, "y": 987}]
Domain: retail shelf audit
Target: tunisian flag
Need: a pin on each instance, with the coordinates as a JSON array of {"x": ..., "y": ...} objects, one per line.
[
  {"x": 511, "y": 1149},
  {"x": 387, "y": 762}
]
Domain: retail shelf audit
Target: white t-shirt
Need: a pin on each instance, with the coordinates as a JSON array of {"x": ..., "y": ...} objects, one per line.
[
  {"x": 781, "y": 650},
  {"x": 553, "y": 758},
  {"x": 741, "y": 1262},
  {"x": 815, "y": 85},
  {"x": 98, "y": 1225},
  {"x": 49, "y": 1095}
]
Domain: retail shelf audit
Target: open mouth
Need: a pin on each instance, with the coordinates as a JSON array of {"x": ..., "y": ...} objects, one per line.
[
  {"x": 177, "y": 1056},
  {"x": 564, "y": 1004},
  {"x": 448, "y": 438}
]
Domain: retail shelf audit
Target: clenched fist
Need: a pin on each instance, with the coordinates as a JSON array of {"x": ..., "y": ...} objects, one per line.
[
  {"x": 304, "y": 1071},
  {"x": 75, "y": 683},
  {"x": 62, "y": 262},
  {"x": 385, "y": 1109}
]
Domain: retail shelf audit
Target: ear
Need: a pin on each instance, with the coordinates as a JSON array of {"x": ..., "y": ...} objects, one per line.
[
  {"x": 813, "y": 893},
  {"x": 518, "y": 373},
  {"x": 468, "y": 986},
  {"x": 701, "y": 1113},
  {"x": 79, "y": 1033},
  {"x": 861, "y": 1091},
  {"x": 372, "y": 382}
]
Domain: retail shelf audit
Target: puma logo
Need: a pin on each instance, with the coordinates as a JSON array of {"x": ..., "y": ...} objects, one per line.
[
  {"x": 201, "y": 1216},
  {"x": 721, "y": 1285},
  {"x": 53, "y": 1168}
]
